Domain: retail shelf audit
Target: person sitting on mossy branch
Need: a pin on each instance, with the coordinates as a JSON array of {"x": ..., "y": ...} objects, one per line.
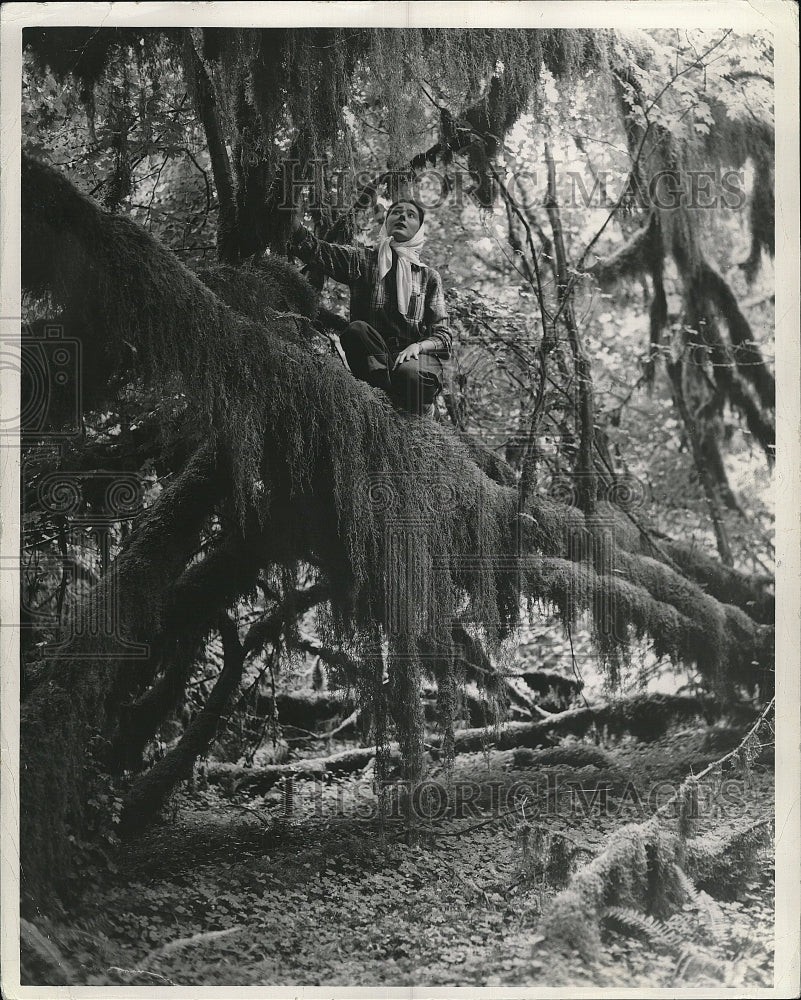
[{"x": 399, "y": 333}]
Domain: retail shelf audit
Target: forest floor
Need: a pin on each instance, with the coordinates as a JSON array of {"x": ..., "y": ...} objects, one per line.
[{"x": 248, "y": 891}]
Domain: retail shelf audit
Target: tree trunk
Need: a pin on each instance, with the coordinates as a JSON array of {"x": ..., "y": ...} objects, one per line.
[
  {"x": 206, "y": 103},
  {"x": 151, "y": 791},
  {"x": 192, "y": 607}
]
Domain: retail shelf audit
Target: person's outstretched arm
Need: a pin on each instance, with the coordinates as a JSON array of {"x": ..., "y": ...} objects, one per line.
[{"x": 342, "y": 263}]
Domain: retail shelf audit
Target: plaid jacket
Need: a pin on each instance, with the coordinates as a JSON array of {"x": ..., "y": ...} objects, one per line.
[{"x": 375, "y": 301}]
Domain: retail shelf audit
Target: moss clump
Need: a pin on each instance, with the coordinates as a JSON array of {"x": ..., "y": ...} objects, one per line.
[
  {"x": 635, "y": 871},
  {"x": 262, "y": 289}
]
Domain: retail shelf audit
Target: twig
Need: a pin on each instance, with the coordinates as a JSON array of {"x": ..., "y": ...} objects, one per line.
[
  {"x": 574, "y": 665},
  {"x": 129, "y": 973},
  {"x": 718, "y": 763},
  {"x": 256, "y": 813},
  {"x": 172, "y": 946}
]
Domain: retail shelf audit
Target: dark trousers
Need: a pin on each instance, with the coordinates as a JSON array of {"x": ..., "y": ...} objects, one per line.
[{"x": 412, "y": 386}]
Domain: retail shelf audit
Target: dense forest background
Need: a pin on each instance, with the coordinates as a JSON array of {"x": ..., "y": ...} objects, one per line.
[{"x": 244, "y": 573}]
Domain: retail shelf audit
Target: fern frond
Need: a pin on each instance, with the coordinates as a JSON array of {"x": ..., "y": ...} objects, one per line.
[
  {"x": 694, "y": 964},
  {"x": 716, "y": 919},
  {"x": 632, "y": 922},
  {"x": 686, "y": 884},
  {"x": 703, "y": 902}
]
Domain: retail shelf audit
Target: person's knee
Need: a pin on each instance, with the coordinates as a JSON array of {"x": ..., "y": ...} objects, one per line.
[
  {"x": 357, "y": 332},
  {"x": 411, "y": 376},
  {"x": 406, "y": 386},
  {"x": 405, "y": 373}
]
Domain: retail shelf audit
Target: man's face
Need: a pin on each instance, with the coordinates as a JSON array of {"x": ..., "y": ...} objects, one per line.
[{"x": 402, "y": 221}]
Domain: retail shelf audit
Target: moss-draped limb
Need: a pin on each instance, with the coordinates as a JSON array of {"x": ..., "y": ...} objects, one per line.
[
  {"x": 340, "y": 465},
  {"x": 714, "y": 489},
  {"x": 739, "y": 374},
  {"x": 747, "y": 355},
  {"x": 749, "y": 593},
  {"x": 323, "y": 472}
]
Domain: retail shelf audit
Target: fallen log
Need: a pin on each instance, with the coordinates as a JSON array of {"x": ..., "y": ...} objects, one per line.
[
  {"x": 309, "y": 710},
  {"x": 644, "y": 717},
  {"x": 258, "y": 780},
  {"x": 235, "y": 778}
]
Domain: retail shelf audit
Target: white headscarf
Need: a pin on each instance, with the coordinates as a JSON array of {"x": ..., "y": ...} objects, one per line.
[{"x": 407, "y": 253}]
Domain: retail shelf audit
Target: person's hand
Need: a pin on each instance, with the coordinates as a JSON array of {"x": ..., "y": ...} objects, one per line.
[{"x": 410, "y": 353}]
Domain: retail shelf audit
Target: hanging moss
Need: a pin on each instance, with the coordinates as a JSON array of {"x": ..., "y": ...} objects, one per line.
[
  {"x": 262, "y": 289},
  {"x": 738, "y": 373},
  {"x": 761, "y": 217},
  {"x": 85, "y": 53},
  {"x": 288, "y": 87},
  {"x": 389, "y": 509}
]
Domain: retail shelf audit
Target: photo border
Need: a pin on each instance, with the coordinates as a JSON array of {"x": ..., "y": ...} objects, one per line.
[{"x": 778, "y": 16}]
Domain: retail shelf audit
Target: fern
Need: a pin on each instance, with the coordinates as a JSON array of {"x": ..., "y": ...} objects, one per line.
[
  {"x": 661, "y": 934},
  {"x": 692, "y": 964},
  {"x": 632, "y": 922},
  {"x": 686, "y": 884},
  {"x": 703, "y": 902}
]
